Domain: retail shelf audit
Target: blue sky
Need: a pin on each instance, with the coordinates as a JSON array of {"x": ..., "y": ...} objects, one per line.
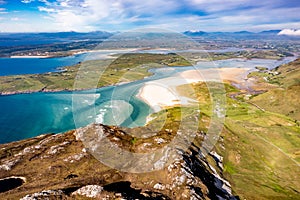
[{"x": 121, "y": 15}]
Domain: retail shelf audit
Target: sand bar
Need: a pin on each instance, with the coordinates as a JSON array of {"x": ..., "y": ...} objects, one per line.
[
  {"x": 29, "y": 56},
  {"x": 162, "y": 93}
]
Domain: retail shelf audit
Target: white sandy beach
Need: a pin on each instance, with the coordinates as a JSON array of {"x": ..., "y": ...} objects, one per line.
[
  {"x": 159, "y": 95},
  {"x": 162, "y": 93},
  {"x": 29, "y": 56}
]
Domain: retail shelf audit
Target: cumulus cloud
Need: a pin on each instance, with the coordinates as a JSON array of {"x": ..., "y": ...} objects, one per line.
[
  {"x": 77, "y": 15},
  {"x": 290, "y": 32}
]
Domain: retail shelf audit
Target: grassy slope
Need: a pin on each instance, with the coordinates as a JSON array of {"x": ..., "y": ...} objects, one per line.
[
  {"x": 262, "y": 149},
  {"x": 284, "y": 95},
  {"x": 262, "y": 153}
]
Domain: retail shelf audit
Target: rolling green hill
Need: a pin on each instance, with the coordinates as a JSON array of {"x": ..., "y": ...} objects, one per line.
[{"x": 284, "y": 95}]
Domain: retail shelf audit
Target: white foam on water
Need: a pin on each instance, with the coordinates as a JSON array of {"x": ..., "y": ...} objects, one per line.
[
  {"x": 100, "y": 118},
  {"x": 88, "y": 99},
  {"x": 114, "y": 112}
]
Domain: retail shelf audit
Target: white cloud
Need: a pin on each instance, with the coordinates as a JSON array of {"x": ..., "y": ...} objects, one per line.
[
  {"x": 87, "y": 15},
  {"x": 3, "y": 11},
  {"x": 27, "y": 1},
  {"x": 180, "y": 15},
  {"x": 77, "y": 15},
  {"x": 273, "y": 26},
  {"x": 15, "y": 19},
  {"x": 290, "y": 32},
  {"x": 46, "y": 2},
  {"x": 216, "y": 5},
  {"x": 48, "y": 10}
]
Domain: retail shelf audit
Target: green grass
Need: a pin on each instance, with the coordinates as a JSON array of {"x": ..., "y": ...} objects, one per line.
[
  {"x": 262, "y": 146},
  {"x": 229, "y": 168},
  {"x": 133, "y": 140},
  {"x": 262, "y": 149},
  {"x": 283, "y": 97}
]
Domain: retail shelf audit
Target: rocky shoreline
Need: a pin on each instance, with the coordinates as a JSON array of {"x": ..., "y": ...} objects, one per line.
[
  {"x": 34, "y": 91},
  {"x": 42, "y": 90}
]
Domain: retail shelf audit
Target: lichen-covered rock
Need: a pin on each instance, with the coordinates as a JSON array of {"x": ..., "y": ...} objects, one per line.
[
  {"x": 91, "y": 191},
  {"x": 45, "y": 194}
]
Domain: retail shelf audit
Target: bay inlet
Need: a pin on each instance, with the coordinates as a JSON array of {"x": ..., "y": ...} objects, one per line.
[{"x": 28, "y": 115}]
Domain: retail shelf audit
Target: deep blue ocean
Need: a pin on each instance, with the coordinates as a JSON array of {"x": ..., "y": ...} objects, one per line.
[{"x": 15, "y": 66}]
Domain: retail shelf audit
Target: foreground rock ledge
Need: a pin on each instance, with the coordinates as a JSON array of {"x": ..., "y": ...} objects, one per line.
[{"x": 60, "y": 167}]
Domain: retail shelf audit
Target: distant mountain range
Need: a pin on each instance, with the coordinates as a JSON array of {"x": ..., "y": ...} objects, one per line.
[
  {"x": 69, "y": 35},
  {"x": 19, "y": 39},
  {"x": 22, "y": 39},
  {"x": 236, "y": 35}
]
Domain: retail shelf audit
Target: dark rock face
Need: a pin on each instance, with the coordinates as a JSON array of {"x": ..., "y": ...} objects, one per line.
[
  {"x": 198, "y": 166},
  {"x": 10, "y": 183},
  {"x": 65, "y": 169},
  {"x": 128, "y": 192}
]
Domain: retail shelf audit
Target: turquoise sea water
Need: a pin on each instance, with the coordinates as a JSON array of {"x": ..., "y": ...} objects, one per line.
[{"x": 28, "y": 115}]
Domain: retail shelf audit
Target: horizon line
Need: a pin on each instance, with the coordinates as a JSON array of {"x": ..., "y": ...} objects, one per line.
[{"x": 192, "y": 31}]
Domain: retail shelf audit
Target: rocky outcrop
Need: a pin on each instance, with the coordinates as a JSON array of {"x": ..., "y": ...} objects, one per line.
[
  {"x": 197, "y": 166},
  {"x": 62, "y": 167}
]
